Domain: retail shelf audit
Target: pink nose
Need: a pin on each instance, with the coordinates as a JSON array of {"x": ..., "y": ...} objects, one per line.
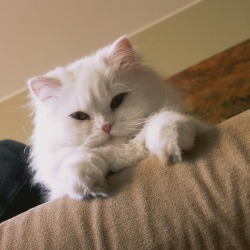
[{"x": 106, "y": 127}]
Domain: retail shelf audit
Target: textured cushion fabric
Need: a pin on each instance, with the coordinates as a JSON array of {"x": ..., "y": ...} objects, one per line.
[{"x": 203, "y": 202}]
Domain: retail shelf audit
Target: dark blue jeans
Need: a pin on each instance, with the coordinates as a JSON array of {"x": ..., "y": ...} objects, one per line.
[{"x": 17, "y": 194}]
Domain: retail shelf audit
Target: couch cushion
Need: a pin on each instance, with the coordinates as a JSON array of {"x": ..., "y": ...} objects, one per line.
[{"x": 203, "y": 202}]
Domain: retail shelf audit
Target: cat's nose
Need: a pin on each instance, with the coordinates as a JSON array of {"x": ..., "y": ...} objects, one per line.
[{"x": 106, "y": 127}]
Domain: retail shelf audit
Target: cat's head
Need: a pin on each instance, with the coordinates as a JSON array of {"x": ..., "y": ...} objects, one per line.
[{"x": 100, "y": 99}]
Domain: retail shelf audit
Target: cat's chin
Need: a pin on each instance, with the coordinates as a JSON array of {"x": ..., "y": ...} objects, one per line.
[
  {"x": 101, "y": 141},
  {"x": 115, "y": 140},
  {"x": 106, "y": 140}
]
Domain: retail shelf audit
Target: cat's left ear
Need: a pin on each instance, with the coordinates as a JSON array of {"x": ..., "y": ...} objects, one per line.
[
  {"x": 44, "y": 88},
  {"x": 122, "y": 54}
]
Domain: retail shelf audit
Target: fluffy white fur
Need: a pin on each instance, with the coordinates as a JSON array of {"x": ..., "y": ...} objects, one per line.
[{"x": 72, "y": 156}]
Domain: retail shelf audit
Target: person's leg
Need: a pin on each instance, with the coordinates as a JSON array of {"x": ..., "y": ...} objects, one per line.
[{"x": 16, "y": 191}]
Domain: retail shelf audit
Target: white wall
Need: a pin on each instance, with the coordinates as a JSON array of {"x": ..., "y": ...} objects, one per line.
[
  {"x": 195, "y": 34},
  {"x": 39, "y": 35},
  {"x": 171, "y": 45}
]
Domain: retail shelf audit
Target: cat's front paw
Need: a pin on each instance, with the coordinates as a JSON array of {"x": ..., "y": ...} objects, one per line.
[
  {"x": 85, "y": 178},
  {"x": 168, "y": 134}
]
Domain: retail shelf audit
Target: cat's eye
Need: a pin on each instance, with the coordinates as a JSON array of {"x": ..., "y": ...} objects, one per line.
[
  {"x": 117, "y": 100},
  {"x": 80, "y": 116}
]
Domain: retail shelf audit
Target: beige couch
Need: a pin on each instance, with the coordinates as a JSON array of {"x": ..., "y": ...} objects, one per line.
[{"x": 201, "y": 203}]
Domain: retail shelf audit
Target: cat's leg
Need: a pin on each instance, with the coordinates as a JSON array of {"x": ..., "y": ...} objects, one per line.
[
  {"x": 82, "y": 175},
  {"x": 118, "y": 157},
  {"x": 168, "y": 133}
]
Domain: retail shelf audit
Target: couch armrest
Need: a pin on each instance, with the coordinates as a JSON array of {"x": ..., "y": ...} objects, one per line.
[{"x": 201, "y": 202}]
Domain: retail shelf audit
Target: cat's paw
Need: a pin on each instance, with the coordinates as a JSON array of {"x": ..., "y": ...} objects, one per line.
[
  {"x": 85, "y": 178},
  {"x": 168, "y": 134}
]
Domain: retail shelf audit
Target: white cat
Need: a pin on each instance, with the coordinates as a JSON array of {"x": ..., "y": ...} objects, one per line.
[{"x": 103, "y": 113}]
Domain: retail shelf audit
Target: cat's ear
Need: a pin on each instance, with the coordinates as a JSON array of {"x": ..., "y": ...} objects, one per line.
[
  {"x": 44, "y": 88},
  {"x": 122, "y": 54}
]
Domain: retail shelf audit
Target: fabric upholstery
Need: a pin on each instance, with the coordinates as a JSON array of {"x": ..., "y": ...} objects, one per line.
[{"x": 200, "y": 203}]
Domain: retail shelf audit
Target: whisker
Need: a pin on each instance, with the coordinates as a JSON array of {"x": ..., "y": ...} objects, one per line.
[
  {"x": 134, "y": 129},
  {"x": 124, "y": 86},
  {"x": 135, "y": 115},
  {"x": 138, "y": 121},
  {"x": 132, "y": 126}
]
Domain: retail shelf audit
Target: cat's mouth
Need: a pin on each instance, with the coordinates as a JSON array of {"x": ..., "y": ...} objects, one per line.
[
  {"x": 100, "y": 141},
  {"x": 110, "y": 139},
  {"x": 105, "y": 140}
]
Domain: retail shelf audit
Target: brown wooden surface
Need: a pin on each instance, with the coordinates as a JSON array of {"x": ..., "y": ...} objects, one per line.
[{"x": 219, "y": 87}]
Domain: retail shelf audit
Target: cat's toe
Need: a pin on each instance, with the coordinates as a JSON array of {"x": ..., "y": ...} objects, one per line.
[
  {"x": 94, "y": 192},
  {"x": 170, "y": 154},
  {"x": 99, "y": 190},
  {"x": 175, "y": 153},
  {"x": 175, "y": 158},
  {"x": 84, "y": 192}
]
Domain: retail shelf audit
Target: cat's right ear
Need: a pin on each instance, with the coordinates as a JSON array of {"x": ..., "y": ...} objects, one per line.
[
  {"x": 122, "y": 54},
  {"x": 44, "y": 88}
]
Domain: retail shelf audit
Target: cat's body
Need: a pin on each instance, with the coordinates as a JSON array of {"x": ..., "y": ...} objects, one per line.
[{"x": 103, "y": 113}]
